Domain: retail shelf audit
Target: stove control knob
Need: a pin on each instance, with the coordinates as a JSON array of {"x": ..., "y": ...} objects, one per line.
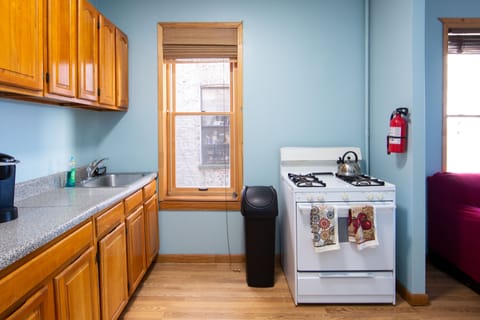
[
  {"x": 370, "y": 197},
  {"x": 345, "y": 197},
  {"x": 380, "y": 196},
  {"x": 309, "y": 198},
  {"x": 321, "y": 197}
]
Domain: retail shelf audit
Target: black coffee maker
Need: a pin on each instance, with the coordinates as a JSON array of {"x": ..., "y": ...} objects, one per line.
[{"x": 7, "y": 187}]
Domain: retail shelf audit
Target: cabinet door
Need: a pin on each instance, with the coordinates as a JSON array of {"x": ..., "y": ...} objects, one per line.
[
  {"x": 87, "y": 51},
  {"x": 39, "y": 306},
  {"x": 107, "y": 62},
  {"x": 21, "y": 34},
  {"x": 121, "y": 75},
  {"x": 62, "y": 47},
  {"x": 136, "y": 260},
  {"x": 151, "y": 228},
  {"x": 76, "y": 289},
  {"x": 113, "y": 273}
]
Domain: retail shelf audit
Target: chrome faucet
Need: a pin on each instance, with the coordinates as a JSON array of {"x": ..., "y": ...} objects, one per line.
[{"x": 93, "y": 168}]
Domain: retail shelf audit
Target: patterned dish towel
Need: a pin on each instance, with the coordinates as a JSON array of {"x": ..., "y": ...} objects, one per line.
[
  {"x": 362, "y": 227},
  {"x": 324, "y": 226}
]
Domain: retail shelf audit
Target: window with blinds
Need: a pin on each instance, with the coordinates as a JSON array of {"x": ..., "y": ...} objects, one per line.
[
  {"x": 199, "y": 40},
  {"x": 463, "y": 41},
  {"x": 200, "y": 120}
]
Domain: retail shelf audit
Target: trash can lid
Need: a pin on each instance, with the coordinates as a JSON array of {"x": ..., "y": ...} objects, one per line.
[
  {"x": 259, "y": 196},
  {"x": 7, "y": 159}
]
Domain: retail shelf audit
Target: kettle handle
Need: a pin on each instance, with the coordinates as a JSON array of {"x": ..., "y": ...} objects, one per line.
[{"x": 354, "y": 153}]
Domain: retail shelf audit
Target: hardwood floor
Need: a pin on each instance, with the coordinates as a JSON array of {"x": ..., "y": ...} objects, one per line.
[{"x": 219, "y": 291}]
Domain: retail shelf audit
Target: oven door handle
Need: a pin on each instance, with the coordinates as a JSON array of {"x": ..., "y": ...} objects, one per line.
[{"x": 346, "y": 275}]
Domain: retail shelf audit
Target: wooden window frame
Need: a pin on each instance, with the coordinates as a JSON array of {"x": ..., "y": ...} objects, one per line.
[
  {"x": 450, "y": 23},
  {"x": 175, "y": 198}
]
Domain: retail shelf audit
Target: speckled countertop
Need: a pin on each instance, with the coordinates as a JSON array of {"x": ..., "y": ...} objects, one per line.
[{"x": 47, "y": 215}]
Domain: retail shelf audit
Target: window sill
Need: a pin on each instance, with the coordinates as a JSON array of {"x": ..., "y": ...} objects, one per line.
[{"x": 178, "y": 205}]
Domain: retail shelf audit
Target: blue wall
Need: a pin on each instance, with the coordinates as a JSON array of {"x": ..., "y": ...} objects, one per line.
[
  {"x": 397, "y": 79},
  {"x": 303, "y": 73},
  {"x": 303, "y": 85},
  {"x": 43, "y": 137}
]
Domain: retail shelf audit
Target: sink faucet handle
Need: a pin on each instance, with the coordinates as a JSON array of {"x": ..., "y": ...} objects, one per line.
[
  {"x": 100, "y": 171},
  {"x": 95, "y": 163},
  {"x": 92, "y": 168}
]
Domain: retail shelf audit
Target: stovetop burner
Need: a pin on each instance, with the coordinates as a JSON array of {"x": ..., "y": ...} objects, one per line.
[
  {"x": 306, "y": 180},
  {"x": 362, "y": 180}
]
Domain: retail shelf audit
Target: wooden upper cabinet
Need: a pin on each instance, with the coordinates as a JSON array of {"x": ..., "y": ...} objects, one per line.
[
  {"x": 21, "y": 52},
  {"x": 121, "y": 44},
  {"x": 107, "y": 62},
  {"x": 64, "y": 51},
  {"x": 87, "y": 51},
  {"x": 62, "y": 47}
]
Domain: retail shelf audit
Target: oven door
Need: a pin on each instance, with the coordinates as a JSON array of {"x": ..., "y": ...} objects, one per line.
[{"x": 348, "y": 257}]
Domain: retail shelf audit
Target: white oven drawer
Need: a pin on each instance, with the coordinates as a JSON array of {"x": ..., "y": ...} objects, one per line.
[{"x": 346, "y": 287}]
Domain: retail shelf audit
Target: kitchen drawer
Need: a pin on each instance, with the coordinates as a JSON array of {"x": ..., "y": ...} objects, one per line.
[
  {"x": 109, "y": 219},
  {"x": 149, "y": 189},
  {"x": 346, "y": 287},
  {"x": 133, "y": 201}
]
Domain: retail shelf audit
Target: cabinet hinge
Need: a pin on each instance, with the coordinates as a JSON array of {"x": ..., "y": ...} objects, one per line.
[{"x": 47, "y": 77}]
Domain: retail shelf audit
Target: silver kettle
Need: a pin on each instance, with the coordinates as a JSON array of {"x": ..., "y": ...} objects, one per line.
[{"x": 348, "y": 167}]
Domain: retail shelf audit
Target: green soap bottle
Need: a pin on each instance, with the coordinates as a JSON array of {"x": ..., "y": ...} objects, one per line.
[{"x": 71, "y": 173}]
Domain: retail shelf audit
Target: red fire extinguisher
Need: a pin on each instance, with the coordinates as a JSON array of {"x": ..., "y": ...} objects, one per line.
[{"x": 397, "y": 133}]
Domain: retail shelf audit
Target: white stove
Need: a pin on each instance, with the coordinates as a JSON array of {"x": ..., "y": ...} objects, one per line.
[{"x": 338, "y": 238}]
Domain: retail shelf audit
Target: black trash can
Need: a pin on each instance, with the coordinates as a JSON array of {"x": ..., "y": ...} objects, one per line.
[{"x": 259, "y": 209}]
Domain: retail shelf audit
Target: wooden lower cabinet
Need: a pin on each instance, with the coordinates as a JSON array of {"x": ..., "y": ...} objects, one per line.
[
  {"x": 86, "y": 274},
  {"x": 113, "y": 273},
  {"x": 39, "y": 306},
  {"x": 76, "y": 289},
  {"x": 150, "y": 208},
  {"x": 137, "y": 264}
]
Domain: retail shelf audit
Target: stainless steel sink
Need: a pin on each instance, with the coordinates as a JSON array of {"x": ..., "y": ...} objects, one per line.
[{"x": 111, "y": 180}]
